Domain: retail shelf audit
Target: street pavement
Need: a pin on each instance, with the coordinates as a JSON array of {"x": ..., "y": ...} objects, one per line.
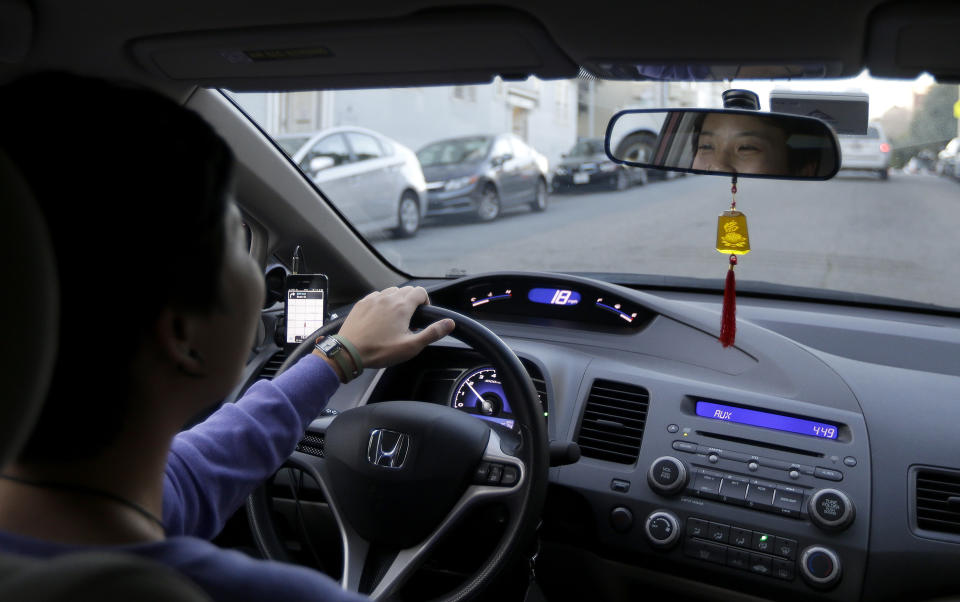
[{"x": 899, "y": 238}]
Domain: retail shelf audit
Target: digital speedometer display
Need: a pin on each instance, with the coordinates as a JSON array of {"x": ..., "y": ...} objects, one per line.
[
  {"x": 553, "y": 296},
  {"x": 479, "y": 392}
]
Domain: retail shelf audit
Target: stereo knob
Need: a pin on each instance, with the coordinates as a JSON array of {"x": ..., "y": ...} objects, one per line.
[
  {"x": 667, "y": 475},
  {"x": 662, "y": 529},
  {"x": 831, "y": 510},
  {"x": 820, "y": 566}
]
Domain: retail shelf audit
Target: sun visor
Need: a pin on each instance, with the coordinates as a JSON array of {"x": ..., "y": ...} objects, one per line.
[
  {"x": 422, "y": 49},
  {"x": 16, "y": 30},
  {"x": 908, "y": 38}
]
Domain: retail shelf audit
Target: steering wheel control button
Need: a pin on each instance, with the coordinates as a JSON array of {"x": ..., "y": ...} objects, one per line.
[
  {"x": 620, "y": 486},
  {"x": 495, "y": 474},
  {"x": 760, "y": 497},
  {"x": 763, "y": 542},
  {"x": 482, "y": 471},
  {"x": 673, "y": 428},
  {"x": 850, "y": 461},
  {"x": 752, "y": 466},
  {"x": 662, "y": 528},
  {"x": 697, "y": 527},
  {"x": 685, "y": 446},
  {"x": 788, "y": 504},
  {"x": 667, "y": 475},
  {"x": 831, "y": 510},
  {"x": 820, "y": 566},
  {"x": 621, "y": 519},
  {"x": 718, "y": 533},
  {"x": 510, "y": 476},
  {"x": 828, "y": 474},
  {"x": 706, "y": 551},
  {"x": 786, "y": 548}
]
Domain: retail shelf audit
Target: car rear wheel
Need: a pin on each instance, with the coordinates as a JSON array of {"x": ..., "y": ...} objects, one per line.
[
  {"x": 883, "y": 174},
  {"x": 540, "y": 202},
  {"x": 489, "y": 207},
  {"x": 638, "y": 148},
  {"x": 408, "y": 215}
]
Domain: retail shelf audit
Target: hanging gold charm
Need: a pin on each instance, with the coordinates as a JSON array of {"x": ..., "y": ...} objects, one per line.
[{"x": 732, "y": 237}]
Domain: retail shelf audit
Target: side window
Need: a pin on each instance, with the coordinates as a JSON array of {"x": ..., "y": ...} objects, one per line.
[
  {"x": 501, "y": 147},
  {"x": 332, "y": 147},
  {"x": 365, "y": 147}
]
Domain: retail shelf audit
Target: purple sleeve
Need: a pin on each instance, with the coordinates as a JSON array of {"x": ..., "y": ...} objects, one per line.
[{"x": 214, "y": 466}]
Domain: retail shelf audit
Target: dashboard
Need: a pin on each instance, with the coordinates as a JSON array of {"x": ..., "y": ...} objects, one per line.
[{"x": 816, "y": 458}]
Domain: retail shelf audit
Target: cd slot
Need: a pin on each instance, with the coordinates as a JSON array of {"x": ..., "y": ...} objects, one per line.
[{"x": 751, "y": 442}]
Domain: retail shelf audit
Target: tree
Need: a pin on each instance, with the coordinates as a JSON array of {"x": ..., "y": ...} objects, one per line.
[{"x": 932, "y": 124}]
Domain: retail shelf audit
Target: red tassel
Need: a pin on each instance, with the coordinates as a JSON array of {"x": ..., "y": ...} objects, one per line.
[{"x": 728, "y": 319}]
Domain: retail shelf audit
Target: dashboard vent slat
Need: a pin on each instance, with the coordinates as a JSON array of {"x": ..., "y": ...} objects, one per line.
[
  {"x": 612, "y": 425},
  {"x": 269, "y": 369},
  {"x": 313, "y": 445},
  {"x": 936, "y": 494}
]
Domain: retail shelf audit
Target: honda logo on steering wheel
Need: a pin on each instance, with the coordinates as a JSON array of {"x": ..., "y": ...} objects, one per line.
[{"x": 387, "y": 448}]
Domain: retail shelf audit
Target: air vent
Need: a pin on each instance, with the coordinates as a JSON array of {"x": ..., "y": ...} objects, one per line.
[
  {"x": 539, "y": 383},
  {"x": 312, "y": 444},
  {"x": 613, "y": 421},
  {"x": 938, "y": 500},
  {"x": 269, "y": 369}
]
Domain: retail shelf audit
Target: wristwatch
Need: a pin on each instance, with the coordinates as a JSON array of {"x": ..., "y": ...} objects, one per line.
[{"x": 340, "y": 350}]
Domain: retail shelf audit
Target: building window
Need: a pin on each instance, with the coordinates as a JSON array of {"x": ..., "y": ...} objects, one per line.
[{"x": 468, "y": 93}]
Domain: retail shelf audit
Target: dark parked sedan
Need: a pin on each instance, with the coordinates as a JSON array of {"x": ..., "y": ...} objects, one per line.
[
  {"x": 483, "y": 175},
  {"x": 588, "y": 165}
]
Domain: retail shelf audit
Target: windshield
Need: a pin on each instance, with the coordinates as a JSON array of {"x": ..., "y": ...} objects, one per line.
[
  {"x": 587, "y": 148},
  {"x": 886, "y": 225},
  {"x": 452, "y": 152}
]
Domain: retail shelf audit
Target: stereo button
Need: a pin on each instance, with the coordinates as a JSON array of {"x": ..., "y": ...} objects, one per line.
[
  {"x": 733, "y": 491},
  {"x": 707, "y": 486},
  {"x": 787, "y": 503},
  {"x": 828, "y": 474},
  {"x": 685, "y": 446},
  {"x": 760, "y": 497}
]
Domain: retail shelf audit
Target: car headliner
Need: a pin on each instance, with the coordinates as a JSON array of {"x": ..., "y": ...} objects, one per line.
[{"x": 177, "y": 44}]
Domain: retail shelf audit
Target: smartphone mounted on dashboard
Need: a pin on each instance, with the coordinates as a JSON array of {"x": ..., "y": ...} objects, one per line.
[{"x": 305, "y": 306}]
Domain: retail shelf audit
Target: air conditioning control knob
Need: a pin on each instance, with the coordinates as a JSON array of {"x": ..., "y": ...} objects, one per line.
[
  {"x": 662, "y": 529},
  {"x": 831, "y": 510},
  {"x": 820, "y": 566},
  {"x": 667, "y": 475}
]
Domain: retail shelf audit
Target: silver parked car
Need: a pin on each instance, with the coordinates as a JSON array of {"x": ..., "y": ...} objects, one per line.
[{"x": 376, "y": 182}]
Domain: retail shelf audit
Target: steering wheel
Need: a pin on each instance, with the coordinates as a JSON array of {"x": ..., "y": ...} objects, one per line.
[{"x": 394, "y": 484}]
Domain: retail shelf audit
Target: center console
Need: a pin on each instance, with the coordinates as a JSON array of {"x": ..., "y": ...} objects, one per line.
[{"x": 759, "y": 492}]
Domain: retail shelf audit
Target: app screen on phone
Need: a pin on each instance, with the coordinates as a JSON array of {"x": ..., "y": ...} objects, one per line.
[{"x": 304, "y": 313}]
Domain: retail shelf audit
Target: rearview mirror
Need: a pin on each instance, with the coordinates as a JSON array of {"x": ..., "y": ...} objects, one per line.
[{"x": 728, "y": 142}]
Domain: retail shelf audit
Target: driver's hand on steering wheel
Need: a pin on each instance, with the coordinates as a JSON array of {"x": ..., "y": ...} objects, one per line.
[{"x": 379, "y": 327}]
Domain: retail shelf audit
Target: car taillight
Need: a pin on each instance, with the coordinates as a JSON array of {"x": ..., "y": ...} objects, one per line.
[{"x": 884, "y": 147}]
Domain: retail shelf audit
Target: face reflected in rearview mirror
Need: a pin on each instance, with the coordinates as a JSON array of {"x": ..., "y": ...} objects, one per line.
[{"x": 730, "y": 142}]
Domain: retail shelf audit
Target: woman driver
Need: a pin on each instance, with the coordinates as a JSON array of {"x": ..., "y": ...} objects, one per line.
[
  {"x": 749, "y": 144},
  {"x": 160, "y": 305}
]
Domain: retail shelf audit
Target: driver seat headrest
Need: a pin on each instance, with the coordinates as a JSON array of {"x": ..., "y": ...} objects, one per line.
[{"x": 29, "y": 309}]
